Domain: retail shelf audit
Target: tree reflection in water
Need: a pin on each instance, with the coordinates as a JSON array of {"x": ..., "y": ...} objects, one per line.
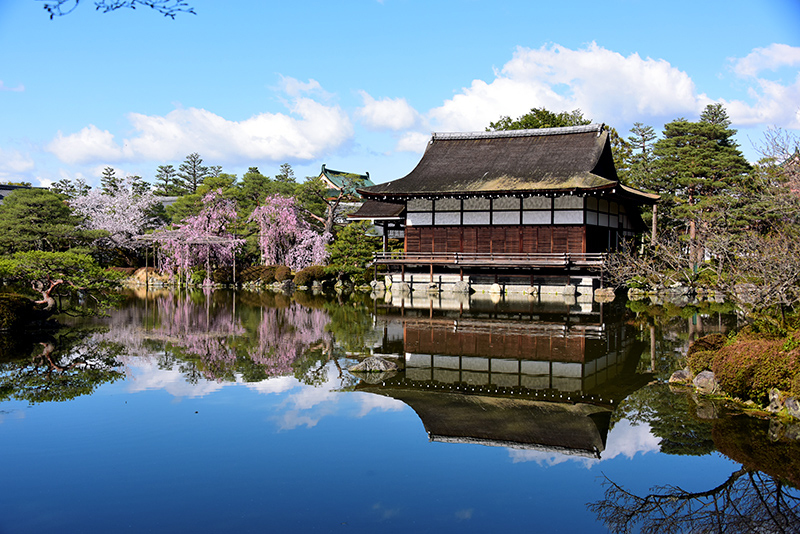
[
  {"x": 60, "y": 367},
  {"x": 748, "y": 501},
  {"x": 761, "y": 496},
  {"x": 285, "y": 334},
  {"x": 204, "y": 335}
]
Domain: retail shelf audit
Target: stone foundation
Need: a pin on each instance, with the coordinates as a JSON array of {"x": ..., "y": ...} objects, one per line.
[{"x": 582, "y": 289}]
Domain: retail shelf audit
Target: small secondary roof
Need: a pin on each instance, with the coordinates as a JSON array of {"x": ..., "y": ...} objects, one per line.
[{"x": 347, "y": 182}]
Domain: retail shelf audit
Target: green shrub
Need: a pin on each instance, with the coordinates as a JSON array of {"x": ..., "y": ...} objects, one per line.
[
  {"x": 283, "y": 273},
  {"x": 251, "y": 274},
  {"x": 749, "y": 368},
  {"x": 264, "y": 274},
  {"x": 303, "y": 278},
  {"x": 711, "y": 342},
  {"x": 223, "y": 275},
  {"x": 700, "y": 360},
  {"x": 312, "y": 273},
  {"x": 351, "y": 252},
  {"x": 268, "y": 274},
  {"x": 198, "y": 277}
]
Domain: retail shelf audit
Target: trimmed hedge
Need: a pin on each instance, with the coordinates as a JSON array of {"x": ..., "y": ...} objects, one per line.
[
  {"x": 309, "y": 275},
  {"x": 283, "y": 273},
  {"x": 222, "y": 275},
  {"x": 264, "y": 274}
]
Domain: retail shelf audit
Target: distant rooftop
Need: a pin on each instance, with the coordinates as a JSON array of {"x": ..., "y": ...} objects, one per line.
[
  {"x": 347, "y": 182},
  {"x": 6, "y": 190}
]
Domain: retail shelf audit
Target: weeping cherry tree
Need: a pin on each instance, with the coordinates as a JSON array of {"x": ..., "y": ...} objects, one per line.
[
  {"x": 202, "y": 239},
  {"x": 285, "y": 238}
]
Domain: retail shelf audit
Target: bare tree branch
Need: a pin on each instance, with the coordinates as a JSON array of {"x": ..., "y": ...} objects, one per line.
[{"x": 168, "y": 8}]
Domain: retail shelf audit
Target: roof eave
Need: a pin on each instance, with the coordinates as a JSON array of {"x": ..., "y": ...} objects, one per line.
[{"x": 499, "y": 192}]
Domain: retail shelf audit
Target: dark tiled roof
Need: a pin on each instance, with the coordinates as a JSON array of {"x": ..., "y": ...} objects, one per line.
[
  {"x": 515, "y": 161},
  {"x": 372, "y": 209}
]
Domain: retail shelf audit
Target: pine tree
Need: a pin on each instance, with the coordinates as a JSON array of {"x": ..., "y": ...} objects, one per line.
[
  {"x": 109, "y": 181},
  {"x": 39, "y": 219},
  {"x": 702, "y": 173},
  {"x": 642, "y": 159},
  {"x": 165, "y": 181},
  {"x": 71, "y": 188},
  {"x": 191, "y": 174}
]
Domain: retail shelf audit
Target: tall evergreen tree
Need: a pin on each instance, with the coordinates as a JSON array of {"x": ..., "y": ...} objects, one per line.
[
  {"x": 642, "y": 160},
  {"x": 191, "y": 173},
  {"x": 71, "y": 188},
  {"x": 286, "y": 174},
  {"x": 165, "y": 181},
  {"x": 137, "y": 185},
  {"x": 109, "y": 181},
  {"x": 621, "y": 151},
  {"x": 252, "y": 190},
  {"x": 701, "y": 174}
]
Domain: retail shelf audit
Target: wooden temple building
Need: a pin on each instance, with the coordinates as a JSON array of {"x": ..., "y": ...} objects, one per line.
[{"x": 508, "y": 203}]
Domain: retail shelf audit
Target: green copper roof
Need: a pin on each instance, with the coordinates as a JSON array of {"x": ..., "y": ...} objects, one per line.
[{"x": 347, "y": 182}]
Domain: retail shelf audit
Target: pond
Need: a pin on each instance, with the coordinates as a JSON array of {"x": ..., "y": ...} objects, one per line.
[{"x": 222, "y": 411}]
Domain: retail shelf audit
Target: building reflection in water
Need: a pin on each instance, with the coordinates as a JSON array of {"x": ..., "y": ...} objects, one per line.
[{"x": 511, "y": 373}]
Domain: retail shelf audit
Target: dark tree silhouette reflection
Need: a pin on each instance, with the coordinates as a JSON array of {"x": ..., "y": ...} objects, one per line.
[{"x": 748, "y": 501}]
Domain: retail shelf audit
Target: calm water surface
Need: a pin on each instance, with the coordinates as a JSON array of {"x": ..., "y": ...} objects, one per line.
[{"x": 209, "y": 412}]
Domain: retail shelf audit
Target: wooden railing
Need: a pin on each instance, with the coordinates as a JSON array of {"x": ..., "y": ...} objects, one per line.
[{"x": 469, "y": 259}]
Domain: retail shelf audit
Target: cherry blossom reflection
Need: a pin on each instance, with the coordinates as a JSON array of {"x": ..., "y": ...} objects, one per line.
[
  {"x": 285, "y": 334},
  {"x": 207, "y": 336}
]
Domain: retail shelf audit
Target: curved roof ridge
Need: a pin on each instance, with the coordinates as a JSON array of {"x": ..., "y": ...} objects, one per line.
[{"x": 596, "y": 127}]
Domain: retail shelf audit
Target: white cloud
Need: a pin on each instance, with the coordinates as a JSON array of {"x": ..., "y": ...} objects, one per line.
[
  {"x": 13, "y": 164},
  {"x": 775, "y": 105},
  {"x": 308, "y": 131},
  {"x": 771, "y": 58},
  {"x": 294, "y": 87},
  {"x": 369, "y": 402},
  {"x": 624, "y": 439},
  {"x": 18, "y": 89},
  {"x": 609, "y": 87},
  {"x": 628, "y": 440},
  {"x": 307, "y": 398},
  {"x": 605, "y": 85},
  {"x": 90, "y": 144},
  {"x": 145, "y": 374},
  {"x": 413, "y": 142},
  {"x": 774, "y": 102},
  {"x": 386, "y": 113},
  {"x": 273, "y": 385}
]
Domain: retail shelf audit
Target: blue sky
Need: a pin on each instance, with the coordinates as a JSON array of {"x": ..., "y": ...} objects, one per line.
[{"x": 360, "y": 84}]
